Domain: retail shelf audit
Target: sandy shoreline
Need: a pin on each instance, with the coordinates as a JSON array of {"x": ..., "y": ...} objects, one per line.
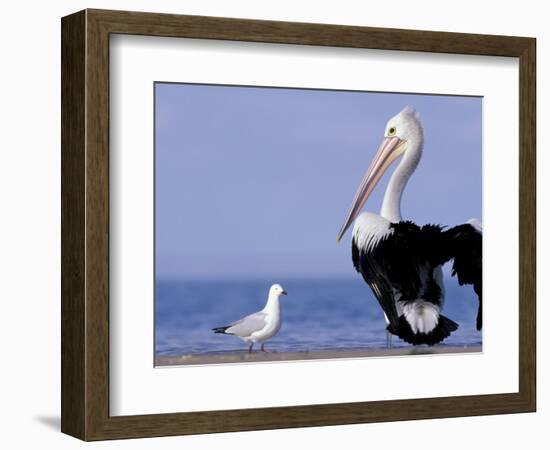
[{"x": 243, "y": 356}]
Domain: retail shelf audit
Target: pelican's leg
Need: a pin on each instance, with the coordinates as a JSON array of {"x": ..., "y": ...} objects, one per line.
[
  {"x": 263, "y": 349},
  {"x": 388, "y": 334},
  {"x": 250, "y": 347}
]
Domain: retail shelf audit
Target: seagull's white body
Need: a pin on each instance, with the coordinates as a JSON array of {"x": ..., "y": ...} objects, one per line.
[
  {"x": 259, "y": 326},
  {"x": 271, "y": 318}
]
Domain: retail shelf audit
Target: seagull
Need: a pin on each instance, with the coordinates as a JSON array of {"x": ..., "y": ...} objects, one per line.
[{"x": 259, "y": 326}]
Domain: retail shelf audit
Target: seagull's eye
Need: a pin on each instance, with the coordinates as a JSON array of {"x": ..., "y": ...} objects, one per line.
[{"x": 391, "y": 131}]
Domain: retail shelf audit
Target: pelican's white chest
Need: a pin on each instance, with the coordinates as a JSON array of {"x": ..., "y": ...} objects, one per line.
[{"x": 369, "y": 229}]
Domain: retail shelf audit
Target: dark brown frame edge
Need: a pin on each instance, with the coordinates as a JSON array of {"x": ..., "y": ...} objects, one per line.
[{"x": 85, "y": 224}]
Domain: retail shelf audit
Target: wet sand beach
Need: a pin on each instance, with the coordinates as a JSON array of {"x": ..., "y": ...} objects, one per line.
[{"x": 257, "y": 356}]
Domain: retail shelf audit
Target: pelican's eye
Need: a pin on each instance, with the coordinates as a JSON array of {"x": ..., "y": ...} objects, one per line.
[{"x": 391, "y": 131}]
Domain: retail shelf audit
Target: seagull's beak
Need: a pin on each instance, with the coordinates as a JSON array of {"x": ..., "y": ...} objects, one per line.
[
  {"x": 389, "y": 150},
  {"x": 284, "y": 293}
]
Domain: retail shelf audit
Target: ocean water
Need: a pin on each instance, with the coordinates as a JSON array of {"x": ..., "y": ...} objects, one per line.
[{"x": 318, "y": 314}]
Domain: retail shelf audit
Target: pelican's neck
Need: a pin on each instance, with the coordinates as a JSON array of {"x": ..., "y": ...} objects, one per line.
[
  {"x": 273, "y": 304},
  {"x": 391, "y": 205}
]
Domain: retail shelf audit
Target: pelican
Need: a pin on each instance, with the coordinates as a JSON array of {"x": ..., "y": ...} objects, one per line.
[
  {"x": 402, "y": 261},
  {"x": 259, "y": 326}
]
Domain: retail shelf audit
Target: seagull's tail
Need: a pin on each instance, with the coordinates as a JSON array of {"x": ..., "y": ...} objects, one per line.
[{"x": 219, "y": 330}]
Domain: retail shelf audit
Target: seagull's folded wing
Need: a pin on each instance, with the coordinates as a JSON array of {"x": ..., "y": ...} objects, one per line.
[{"x": 248, "y": 325}]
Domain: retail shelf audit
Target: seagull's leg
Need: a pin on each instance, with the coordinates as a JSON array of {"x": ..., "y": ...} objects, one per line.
[
  {"x": 263, "y": 349},
  {"x": 250, "y": 347}
]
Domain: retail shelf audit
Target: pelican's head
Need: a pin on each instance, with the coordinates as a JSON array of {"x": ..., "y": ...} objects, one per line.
[
  {"x": 406, "y": 127},
  {"x": 276, "y": 290},
  {"x": 403, "y": 136}
]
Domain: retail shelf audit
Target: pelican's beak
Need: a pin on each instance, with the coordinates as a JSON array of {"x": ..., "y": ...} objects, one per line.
[{"x": 390, "y": 149}]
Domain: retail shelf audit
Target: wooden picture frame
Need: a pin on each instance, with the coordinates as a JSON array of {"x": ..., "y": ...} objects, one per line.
[{"x": 85, "y": 224}]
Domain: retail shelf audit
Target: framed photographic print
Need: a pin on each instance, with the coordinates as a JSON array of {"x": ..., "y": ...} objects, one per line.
[{"x": 328, "y": 211}]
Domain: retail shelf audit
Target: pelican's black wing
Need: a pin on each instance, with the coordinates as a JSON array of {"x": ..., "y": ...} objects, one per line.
[
  {"x": 465, "y": 246},
  {"x": 403, "y": 261},
  {"x": 391, "y": 266}
]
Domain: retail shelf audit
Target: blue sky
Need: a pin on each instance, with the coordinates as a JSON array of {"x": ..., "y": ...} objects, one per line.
[{"x": 256, "y": 182}]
